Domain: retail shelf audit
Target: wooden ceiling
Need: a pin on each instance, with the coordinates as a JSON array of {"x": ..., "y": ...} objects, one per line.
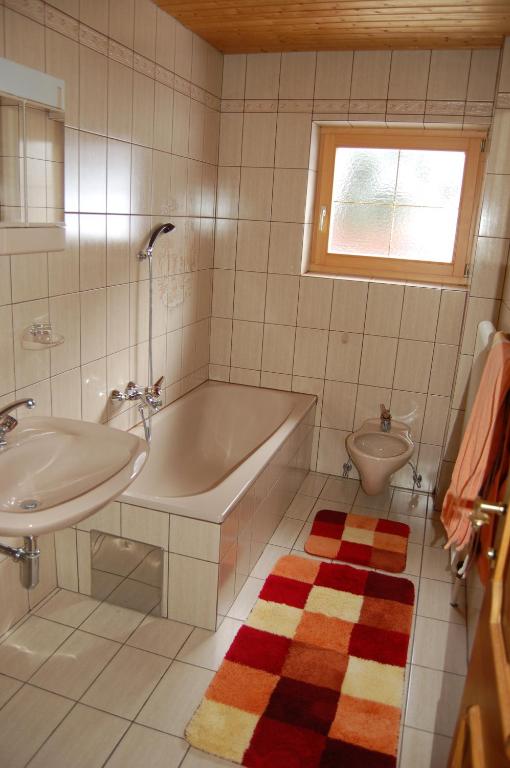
[{"x": 244, "y": 26}]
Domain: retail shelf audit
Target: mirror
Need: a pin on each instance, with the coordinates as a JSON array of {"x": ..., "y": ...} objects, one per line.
[{"x": 31, "y": 163}]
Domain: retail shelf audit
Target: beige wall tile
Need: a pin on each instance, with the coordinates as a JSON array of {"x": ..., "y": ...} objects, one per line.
[
  {"x": 262, "y": 75},
  {"x": 278, "y": 348},
  {"x": 293, "y": 141},
  {"x": 252, "y": 245},
  {"x": 420, "y": 313},
  {"x": 378, "y": 361},
  {"x": 285, "y": 248},
  {"x": 436, "y": 416},
  {"x": 384, "y": 309},
  {"x": 499, "y": 151},
  {"x": 93, "y": 90},
  {"x": 255, "y": 193},
  {"x": 443, "y": 369},
  {"x": 92, "y": 173},
  {"x": 451, "y": 313},
  {"x": 145, "y": 525},
  {"x": 231, "y": 139},
  {"x": 246, "y": 344},
  {"x": 145, "y": 28},
  {"x": 412, "y": 370},
  {"x": 489, "y": 267},
  {"x": 24, "y": 40},
  {"x": 314, "y": 309},
  {"x": 192, "y": 590},
  {"x": 30, "y": 365},
  {"x": 310, "y": 353},
  {"x": 120, "y": 100},
  {"x": 477, "y": 310},
  {"x": 223, "y": 293},
  {"x": 234, "y": 76},
  {"x": 370, "y": 74},
  {"x": 448, "y": 78},
  {"x": 344, "y": 356},
  {"x": 409, "y": 74},
  {"x": 332, "y": 451},
  {"x": 250, "y": 296},
  {"x": 282, "y": 299},
  {"x": 409, "y": 407},
  {"x": 165, "y": 39},
  {"x": 62, "y": 60},
  {"x": 29, "y": 276},
  {"x": 495, "y": 219},
  {"x": 259, "y": 135},
  {"x": 338, "y": 405},
  {"x": 349, "y": 305},
  {"x": 333, "y": 75},
  {"x": 482, "y": 74},
  {"x": 194, "y": 538},
  {"x": 143, "y": 112},
  {"x": 297, "y": 75},
  {"x": 289, "y": 195},
  {"x": 121, "y": 21}
]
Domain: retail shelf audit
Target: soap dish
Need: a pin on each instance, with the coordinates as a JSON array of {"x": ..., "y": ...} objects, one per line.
[{"x": 40, "y": 335}]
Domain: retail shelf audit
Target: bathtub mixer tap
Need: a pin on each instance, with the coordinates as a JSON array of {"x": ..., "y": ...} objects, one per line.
[{"x": 150, "y": 396}]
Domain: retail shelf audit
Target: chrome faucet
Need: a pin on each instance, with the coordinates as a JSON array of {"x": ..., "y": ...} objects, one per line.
[
  {"x": 7, "y": 422},
  {"x": 385, "y": 419},
  {"x": 150, "y": 396}
]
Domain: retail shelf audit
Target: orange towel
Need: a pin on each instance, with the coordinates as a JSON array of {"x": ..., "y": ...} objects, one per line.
[{"x": 482, "y": 462}]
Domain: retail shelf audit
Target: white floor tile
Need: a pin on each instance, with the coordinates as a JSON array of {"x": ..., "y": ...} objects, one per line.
[
  {"x": 424, "y": 750},
  {"x": 414, "y": 555},
  {"x": 83, "y": 740},
  {"x": 30, "y": 645},
  {"x": 416, "y": 526},
  {"x": 70, "y": 608},
  {"x": 267, "y": 560},
  {"x": 299, "y": 544},
  {"x": 433, "y": 700},
  {"x": 246, "y": 599},
  {"x": 175, "y": 699},
  {"x": 8, "y": 688},
  {"x": 434, "y": 601},
  {"x": 340, "y": 490},
  {"x": 162, "y": 636},
  {"x": 436, "y": 564},
  {"x": 127, "y": 682},
  {"x": 144, "y": 746},
  {"x": 300, "y": 507},
  {"x": 382, "y": 514},
  {"x": 337, "y": 506},
  {"x": 286, "y": 533},
  {"x": 313, "y": 484},
  {"x": 440, "y": 645},
  {"x": 197, "y": 759},
  {"x": 380, "y": 501},
  {"x": 409, "y": 503},
  {"x": 113, "y": 622},
  {"x": 207, "y": 649},
  {"x": 434, "y": 533}
]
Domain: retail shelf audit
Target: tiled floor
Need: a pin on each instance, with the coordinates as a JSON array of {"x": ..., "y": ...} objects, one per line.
[{"x": 85, "y": 684}]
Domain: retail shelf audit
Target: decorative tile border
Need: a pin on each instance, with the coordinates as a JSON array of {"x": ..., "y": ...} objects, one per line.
[
  {"x": 62, "y": 23},
  {"x": 34, "y": 9},
  {"x": 120, "y": 53},
  {"x": 93, "y": 39}
]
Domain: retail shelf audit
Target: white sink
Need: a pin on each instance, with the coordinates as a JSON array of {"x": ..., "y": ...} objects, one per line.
[{"x": 55, "y": 472}]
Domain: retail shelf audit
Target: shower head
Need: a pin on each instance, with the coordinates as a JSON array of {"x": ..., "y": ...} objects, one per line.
[{"x": 161, "y": 230}]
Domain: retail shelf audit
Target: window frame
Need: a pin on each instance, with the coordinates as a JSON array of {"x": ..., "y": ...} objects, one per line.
[{"x": 456, "y": 272}]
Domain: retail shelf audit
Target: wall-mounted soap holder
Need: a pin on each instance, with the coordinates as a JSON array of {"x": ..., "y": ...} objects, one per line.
[{"x": 40, "y": 335}]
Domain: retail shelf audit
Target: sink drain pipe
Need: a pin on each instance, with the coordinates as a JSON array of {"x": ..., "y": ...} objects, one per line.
[{"x": 28, "y": 558}]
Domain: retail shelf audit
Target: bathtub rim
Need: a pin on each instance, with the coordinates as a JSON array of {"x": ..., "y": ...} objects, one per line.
[{"x": 222, "y": 498}]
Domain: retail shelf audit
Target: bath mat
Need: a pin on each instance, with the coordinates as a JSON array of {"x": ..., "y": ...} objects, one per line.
[
  {"x": 315, "y": 677},
  {"x": 359, "y": 539}
]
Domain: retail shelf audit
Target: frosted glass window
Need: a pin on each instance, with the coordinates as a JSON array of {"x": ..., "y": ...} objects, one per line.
[{"x": 399, "y": 204}]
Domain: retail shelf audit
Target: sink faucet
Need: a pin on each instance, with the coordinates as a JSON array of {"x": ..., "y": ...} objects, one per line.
[
  {"x": 7, "y": 422},
  {"x": 385, "y": 419}
]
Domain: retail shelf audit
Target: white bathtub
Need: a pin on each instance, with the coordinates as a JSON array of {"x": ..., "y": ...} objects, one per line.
[
  {"x": 210, "y": 446},
  {"x": 226, "y": 461}
]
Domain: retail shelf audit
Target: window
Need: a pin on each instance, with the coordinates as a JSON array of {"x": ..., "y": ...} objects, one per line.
[{"x": 396, "y": 203}]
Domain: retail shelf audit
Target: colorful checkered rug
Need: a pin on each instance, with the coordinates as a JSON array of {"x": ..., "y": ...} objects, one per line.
[
  {"x": 359, "y": 539},
  {"x": 315, "y": 677}
]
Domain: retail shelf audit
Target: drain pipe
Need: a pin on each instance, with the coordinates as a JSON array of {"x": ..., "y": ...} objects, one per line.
[{"x": 28, "y": 558}]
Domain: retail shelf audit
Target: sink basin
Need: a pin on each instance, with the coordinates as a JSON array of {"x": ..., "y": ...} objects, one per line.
[{"x": 55, "y": 472}]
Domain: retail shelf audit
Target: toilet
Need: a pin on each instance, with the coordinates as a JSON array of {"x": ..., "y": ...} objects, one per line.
[{"x": 377, "y": 454}]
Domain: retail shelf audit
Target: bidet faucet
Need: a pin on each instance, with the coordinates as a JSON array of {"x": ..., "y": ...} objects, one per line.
[
  {"x": 385, "y": 419},
  {"x": 7, "y": 422}
]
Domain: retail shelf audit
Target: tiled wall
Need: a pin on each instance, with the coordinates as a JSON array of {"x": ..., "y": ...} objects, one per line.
[
  {"x": 142, "y": 131},
  {"x": 489, "y": 292},
  {"x": 355, "y": 344}
]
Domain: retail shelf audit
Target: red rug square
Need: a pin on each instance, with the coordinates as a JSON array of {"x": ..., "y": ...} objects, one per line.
[
  {"x": 326, "y": 694},
  {"x": 359, "y": 539}
]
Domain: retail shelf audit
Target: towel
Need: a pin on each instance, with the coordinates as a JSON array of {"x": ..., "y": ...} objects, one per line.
[{"x": 482, "y": 464}]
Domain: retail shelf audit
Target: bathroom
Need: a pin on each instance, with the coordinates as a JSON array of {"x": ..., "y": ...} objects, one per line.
[{"x": 222, "y": 140}]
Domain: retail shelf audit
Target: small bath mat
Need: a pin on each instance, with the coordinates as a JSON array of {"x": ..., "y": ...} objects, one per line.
[
  {"x": 315, "y": 677},
  {"x": 359, "y": 539}
]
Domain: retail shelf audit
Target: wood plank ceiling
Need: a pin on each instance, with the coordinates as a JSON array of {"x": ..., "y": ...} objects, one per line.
[{"x": 244, "y": 26}]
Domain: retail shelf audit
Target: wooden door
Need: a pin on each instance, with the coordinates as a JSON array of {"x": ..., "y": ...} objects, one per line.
[{"x": 482, "y": 736}]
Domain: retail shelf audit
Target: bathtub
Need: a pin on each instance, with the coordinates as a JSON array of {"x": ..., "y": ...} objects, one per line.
[
  {"x": 209, "y": 446},
  {"x": 225, "y": 462}
]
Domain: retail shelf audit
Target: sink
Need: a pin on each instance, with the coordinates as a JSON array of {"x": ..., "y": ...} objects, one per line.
[{"x": 55, "y": 472}]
